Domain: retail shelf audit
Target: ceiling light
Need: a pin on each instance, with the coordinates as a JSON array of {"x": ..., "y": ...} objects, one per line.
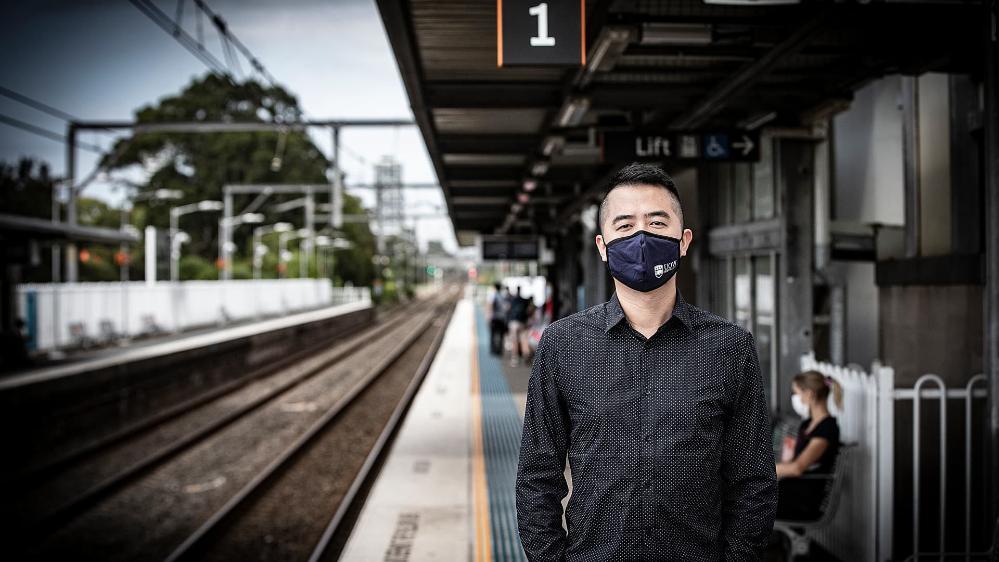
[
  {"x": 752, "y": 2},
  {"x": 523, "y": 198},
  {"x": 552, "y": 144},
  {"x": 758, "y": 120},
  {"x": 607, "y": 49},
  {"x": 540, "y": 168},
  {"x": 675, "y": 34},
  {"x": 573, "y": 111},
  {"x": 530, "y": 185}
]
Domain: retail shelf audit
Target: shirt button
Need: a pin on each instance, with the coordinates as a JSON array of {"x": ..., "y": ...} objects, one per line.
[
  {"x": 647, "y": 438},
  {"x": 645, "y": 392}
]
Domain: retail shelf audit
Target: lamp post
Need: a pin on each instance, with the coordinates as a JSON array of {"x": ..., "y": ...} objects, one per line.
[
  {"x": 155, "y": 195},
  {"x": 175, "y": 214},
  {"x": 329, "y": 246},
  {"x": 259, "y": 249},
  {"x": 283, "y": 256},
  {"x": 228, "y": 225}
]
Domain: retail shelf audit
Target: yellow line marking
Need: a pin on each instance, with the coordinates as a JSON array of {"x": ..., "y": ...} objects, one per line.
[{"x": 480, "y": 496}]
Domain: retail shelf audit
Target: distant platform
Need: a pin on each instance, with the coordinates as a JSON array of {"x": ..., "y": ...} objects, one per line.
[{"x": 174, "y": 345}]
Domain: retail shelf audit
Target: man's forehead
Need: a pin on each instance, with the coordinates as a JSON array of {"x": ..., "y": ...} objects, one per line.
[{"x": 640, "y": 198}]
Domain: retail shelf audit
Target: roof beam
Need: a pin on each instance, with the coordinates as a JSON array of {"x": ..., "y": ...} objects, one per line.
[
  {"x": 492, "y": 94},
  {"x": 724, "y": 92}
]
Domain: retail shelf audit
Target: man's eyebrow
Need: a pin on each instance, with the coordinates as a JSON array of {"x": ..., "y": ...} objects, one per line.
[
  {"x": 622, "y": 217},
  {"x": 659, "y": 213}
]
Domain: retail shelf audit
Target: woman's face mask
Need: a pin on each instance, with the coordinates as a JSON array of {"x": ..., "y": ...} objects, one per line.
[
  {"x": 643, "y": 261},
  {"x": 799, "y": 406}
]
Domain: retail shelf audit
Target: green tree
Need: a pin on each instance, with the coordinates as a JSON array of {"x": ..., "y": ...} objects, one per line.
[
  {"x": 97, "y": 261},
  {"x": 199, "y": 165}
]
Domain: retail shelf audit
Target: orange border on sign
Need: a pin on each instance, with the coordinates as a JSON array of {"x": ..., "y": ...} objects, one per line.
[
  {"x": 582, "y": 31},
  {"x": 499, "y": 33}
]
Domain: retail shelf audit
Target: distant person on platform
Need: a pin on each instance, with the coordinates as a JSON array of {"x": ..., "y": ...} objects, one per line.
[
  {"x": 498, "y": 306},
  {"x": 658, "y": 404},
  {"x": 517, "y": 322}
]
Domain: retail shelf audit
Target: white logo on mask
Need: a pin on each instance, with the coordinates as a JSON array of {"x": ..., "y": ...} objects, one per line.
[{"x": 662, "y": 268}]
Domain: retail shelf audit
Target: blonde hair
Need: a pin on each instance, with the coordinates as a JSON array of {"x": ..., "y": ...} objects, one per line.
[{"x": 820, "y": 385}]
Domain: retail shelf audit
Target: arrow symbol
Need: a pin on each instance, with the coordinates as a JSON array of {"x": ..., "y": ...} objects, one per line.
[{"x": 746, "y": 145}]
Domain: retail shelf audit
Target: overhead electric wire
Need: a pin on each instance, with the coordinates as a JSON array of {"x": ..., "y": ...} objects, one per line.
[
  {"x": 43, "y": 107},
  {"x": 52, "y": 135},
  {"x": 223, "y": 28},
  {"x": 174, "y": 29}
]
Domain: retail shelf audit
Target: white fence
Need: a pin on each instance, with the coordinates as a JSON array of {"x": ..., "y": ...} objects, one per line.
[
  {"x": 864, "y": 523},
  {"x": 854, "y": 532},
  {"x": 59, "y": 315}
]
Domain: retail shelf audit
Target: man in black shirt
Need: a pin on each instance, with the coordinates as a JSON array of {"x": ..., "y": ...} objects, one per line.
[{"x": 658, "y": 404}]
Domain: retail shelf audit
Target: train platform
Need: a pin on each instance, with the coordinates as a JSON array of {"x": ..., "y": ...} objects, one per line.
[
  {"x": 446, "y": 491},
  {"x": 44, "y": 409},
  {"x": 116, "y": 357}
]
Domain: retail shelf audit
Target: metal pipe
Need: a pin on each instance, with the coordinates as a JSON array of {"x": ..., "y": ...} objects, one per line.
[
  {"x": 225, "y": 235},
  {"x": 915, "y": 458},
  {"x": 967, "y": 462},
  {"x": 910, "y": 163},
  {"x": 71, "y": 256},
  {"x": 228, "y": 127},
  {"x": 990, "y": 31}
]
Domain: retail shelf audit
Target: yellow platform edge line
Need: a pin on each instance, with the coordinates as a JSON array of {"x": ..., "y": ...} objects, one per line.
[{"x": 483, "y": 533}]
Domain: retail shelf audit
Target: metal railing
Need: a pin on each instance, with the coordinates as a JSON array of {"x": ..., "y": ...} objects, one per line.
[
  {"x": 863, "y": 528},
  {"x": 942, "y": 394}
]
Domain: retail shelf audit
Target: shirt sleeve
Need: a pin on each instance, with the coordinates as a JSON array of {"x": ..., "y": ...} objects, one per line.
[
  {"x": 541, "y": 481},
  {"x": 750, "y": 500}
]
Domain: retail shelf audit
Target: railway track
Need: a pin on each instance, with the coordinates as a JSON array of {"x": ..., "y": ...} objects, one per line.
[
  {"x": 259, "y": 521},
  {"x": 179, "y": 446}
]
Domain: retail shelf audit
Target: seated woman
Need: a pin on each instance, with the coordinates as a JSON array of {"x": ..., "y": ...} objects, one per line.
[{"x": 814, "y": 449}]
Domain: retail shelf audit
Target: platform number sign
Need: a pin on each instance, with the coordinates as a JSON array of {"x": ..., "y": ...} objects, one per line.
[{"x": 530, "y": 32}]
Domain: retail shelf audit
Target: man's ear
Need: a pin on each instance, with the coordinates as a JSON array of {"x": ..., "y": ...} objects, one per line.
[
  {"x": 601, "y": 247},
  {"x": 685, "y": 240}
]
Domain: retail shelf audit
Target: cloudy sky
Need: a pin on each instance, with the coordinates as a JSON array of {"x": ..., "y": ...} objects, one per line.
[{"x": 103, "y": 59}]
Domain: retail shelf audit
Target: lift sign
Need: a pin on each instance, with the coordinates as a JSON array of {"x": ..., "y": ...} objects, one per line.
[
  {"x": 718, "y": 146},
  {"x": 530, "y": 32}
]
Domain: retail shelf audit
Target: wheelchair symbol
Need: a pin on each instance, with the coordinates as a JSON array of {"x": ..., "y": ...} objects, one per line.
[{"x": 716, "y": 146}]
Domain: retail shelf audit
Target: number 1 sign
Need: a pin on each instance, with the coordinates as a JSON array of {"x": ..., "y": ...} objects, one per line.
[{"x": 531, "y": 32}]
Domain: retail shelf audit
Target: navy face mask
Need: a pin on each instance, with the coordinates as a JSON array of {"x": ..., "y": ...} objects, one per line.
[{"x": 643, "y": 261}]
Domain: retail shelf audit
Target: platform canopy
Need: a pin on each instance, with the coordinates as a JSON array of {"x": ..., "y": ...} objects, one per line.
[
  {"x": 16, "y": 227},
  {"x": 517, "y": 149}
]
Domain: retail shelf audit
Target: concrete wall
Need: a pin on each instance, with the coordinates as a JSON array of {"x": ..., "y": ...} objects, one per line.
[
  {"x": 934, "y": 165},
  {"x": 932, "y": 329},
  {"x": 867, "y": 188}
]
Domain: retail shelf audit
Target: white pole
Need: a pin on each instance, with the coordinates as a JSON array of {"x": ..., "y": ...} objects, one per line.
[
  {"x": 150, "y": 255},
  {"x": 174, "y": 252}
]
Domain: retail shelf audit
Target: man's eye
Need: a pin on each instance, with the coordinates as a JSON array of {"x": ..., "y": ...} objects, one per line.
[
  {"x": 660, "y": 223},
  {"x": 623, "y": 226}
]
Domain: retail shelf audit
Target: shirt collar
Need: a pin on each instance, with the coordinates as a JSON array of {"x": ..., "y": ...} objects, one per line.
[{"x": 614, "y": 313}]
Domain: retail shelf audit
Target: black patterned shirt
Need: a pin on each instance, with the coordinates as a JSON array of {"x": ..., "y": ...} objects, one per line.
[{"x": 667, "y": 438}]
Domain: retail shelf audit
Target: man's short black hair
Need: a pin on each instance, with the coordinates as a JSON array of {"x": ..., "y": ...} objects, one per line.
[{"x": 638, "y": 173}]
